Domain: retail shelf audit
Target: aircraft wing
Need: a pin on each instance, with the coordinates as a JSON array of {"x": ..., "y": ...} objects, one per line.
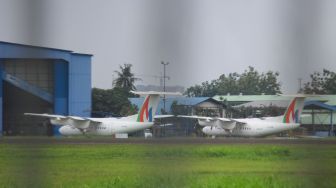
[
  {"x": 238, "y": 121},
  {"x": 225, "y": 123},
  {"x": 224, "y": 119},
  {"x": 197, "y": 117},
  {"x": 163, "y": 116},
  {"x": 75, "y": 121},
  {"x": 45, "y": 115},
  {"x": 204, "y": 121}
]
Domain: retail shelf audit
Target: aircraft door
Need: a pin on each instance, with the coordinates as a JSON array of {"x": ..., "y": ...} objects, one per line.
[{"x": 110, "y": 129}]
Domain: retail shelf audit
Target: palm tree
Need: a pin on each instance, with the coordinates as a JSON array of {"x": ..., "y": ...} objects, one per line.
[{"x": 125, "y": 78}]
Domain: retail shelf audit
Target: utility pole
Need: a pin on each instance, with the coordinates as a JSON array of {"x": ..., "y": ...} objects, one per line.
[{"x": 164, "y": 83}]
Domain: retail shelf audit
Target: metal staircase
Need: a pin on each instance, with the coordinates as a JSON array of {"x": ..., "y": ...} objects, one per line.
[{"x": 27, "y": 87}]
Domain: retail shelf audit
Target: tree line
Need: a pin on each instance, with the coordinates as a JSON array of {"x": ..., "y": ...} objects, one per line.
[
  {"x": 251, "y": 82},
  {"x": 114, "y": 102}
]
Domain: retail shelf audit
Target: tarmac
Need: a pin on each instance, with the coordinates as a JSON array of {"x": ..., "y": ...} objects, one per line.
[{"x": 169, "y": 140}]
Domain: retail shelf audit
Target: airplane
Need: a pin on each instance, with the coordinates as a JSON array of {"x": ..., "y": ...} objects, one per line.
[
  {"x": 74, "y": 125},
  {"x": 253, "y": 127}
]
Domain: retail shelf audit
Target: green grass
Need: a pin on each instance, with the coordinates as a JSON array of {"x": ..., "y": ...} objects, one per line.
[{"x": 126, "y": 165}]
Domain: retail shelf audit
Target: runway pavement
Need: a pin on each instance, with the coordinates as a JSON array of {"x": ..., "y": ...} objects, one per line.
[{"x": 198, "y": 140}]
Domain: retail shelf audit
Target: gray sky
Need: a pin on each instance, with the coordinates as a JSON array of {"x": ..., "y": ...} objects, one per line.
[{"x": 201, "y": 39}]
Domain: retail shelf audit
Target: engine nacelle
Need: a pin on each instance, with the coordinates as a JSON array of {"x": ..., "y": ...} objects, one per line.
[
  {"x": 206, "y": 122},
  {"x": 68, "y": 130},
  {"x": 214, "y": 131}
]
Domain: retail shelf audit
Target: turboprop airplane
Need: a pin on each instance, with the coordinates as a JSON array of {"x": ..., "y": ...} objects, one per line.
[
  {"x": 253, "y": 127},
  {"x": 74, "y": 125}
]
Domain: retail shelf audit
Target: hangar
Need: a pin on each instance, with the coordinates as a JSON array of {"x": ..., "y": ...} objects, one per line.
[{"x": 41, "y": 80}]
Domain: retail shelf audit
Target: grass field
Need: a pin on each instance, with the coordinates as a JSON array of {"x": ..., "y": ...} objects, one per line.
[{"x": 164, "y": 165}]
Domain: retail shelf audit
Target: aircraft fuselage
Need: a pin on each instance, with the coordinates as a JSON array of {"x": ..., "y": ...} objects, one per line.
[
  {"x": 252, "y": 128},
  {"x": 107, "y": 128}
]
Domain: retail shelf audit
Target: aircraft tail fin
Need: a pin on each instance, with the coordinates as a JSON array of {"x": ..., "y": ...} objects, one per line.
[
  {"x": 294, "y": 110},
  {"x": 148, "y": 109}
]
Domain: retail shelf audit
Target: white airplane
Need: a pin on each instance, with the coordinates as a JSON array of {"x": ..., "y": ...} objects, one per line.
[
  {"x": 74, "y": 125},
  {"x": 253, "y": 127}
]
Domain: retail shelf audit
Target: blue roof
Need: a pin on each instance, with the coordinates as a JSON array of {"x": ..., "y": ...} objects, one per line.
[
  {"x": 42, "y": 47},
  {"x": 319, "y": 104},
  {"x": 190, "y": 101}
]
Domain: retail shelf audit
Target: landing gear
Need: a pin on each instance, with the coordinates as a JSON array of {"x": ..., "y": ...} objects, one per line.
[{"x": 84, "y": 131}]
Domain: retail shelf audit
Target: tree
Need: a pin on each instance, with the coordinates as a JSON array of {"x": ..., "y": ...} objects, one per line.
[
  {"x": 111, "y": 101},
  {"x": 194, "y": 91},
  {"x": 269, "y": 84},
  {"x": 250, "y": 82},
  {"x": 228, "y": 84},
  {"x": 321, "y": 83},
  {"x": 125, "y": 78}
]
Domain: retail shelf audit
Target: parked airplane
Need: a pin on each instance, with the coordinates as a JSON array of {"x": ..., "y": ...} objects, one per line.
[
  {"x": 74, "y": 125},
  {"x": 254, "y": 127}
]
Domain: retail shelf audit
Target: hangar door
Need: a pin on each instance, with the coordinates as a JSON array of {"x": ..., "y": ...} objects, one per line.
[{"x": 28, "y": 86}]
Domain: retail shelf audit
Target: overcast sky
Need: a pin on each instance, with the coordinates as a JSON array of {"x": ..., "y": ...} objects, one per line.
[{"x": 201, "y": 39}]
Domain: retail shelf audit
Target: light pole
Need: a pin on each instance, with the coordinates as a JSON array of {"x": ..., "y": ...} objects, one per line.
[
  {"x": 300, "y": 84},
  {"x": 164, "y": 90},
  {"x": 164, "y": 83}
]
